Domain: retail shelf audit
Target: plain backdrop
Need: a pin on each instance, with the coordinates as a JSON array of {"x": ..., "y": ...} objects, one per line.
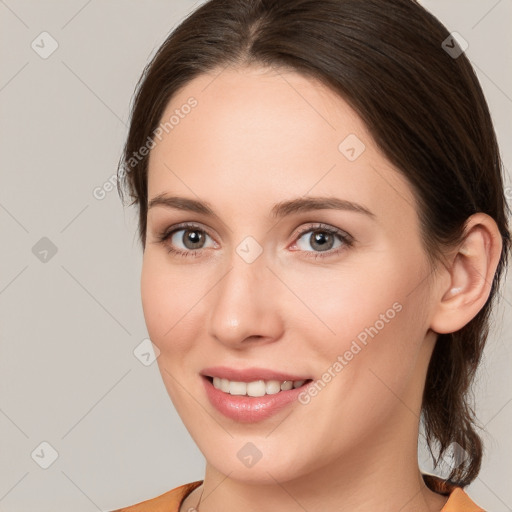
[{"x": 70, "y": 307}]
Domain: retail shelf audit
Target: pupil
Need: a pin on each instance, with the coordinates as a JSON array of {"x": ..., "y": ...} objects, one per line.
[
  {"x": 321, "y": 239},
  {"x": 193, "y": 238}
]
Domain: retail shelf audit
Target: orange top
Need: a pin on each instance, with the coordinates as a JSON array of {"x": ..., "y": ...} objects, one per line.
[{"x": 170, "y": 501}]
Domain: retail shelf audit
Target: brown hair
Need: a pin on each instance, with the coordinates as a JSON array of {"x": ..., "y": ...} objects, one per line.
[{"x": 424, "y": 107}]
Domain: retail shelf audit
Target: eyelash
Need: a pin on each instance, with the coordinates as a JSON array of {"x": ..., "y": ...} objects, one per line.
[{"x": 347, "y": 240}]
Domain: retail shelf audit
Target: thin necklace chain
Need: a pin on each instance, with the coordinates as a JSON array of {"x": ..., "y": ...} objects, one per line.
[{"x": 199, "y": 502}]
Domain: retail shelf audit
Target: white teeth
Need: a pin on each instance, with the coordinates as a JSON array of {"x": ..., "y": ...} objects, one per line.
[
  {"x": 224, "y": 385},
  {"x": 287, "y": 385},
  {"x": 237, "y": 388},
  {"x": 255, "y": 388},
  {"x": 273, "y": 387}
]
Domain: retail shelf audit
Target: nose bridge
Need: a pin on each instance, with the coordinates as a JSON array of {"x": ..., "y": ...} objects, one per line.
[{"x": 244, "y": 299}]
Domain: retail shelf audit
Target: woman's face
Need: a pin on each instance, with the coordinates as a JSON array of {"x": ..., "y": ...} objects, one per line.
[{"x": 277, "y": 287}]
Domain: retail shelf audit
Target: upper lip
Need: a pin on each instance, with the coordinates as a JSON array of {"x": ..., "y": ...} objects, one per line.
[{"x": 249, "y": 374}]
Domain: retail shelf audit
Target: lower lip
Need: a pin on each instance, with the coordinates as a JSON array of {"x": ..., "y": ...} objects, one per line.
[{"x": 248, "y": 409}]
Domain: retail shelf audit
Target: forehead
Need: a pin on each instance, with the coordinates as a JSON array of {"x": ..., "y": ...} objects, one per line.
[
  {"x": 255, "y": 114},
  {"x": 257, "y": 135}
]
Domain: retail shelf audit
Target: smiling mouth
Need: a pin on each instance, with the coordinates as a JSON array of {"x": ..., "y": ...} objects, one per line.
[{"x": 255, "y": 388}]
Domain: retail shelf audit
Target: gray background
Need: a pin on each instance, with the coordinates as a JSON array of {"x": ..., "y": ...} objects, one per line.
[{"x": 70, "y": 324}]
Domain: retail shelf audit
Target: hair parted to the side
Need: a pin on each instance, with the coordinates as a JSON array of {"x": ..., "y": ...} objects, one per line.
[{"x": 425, "y": 110}]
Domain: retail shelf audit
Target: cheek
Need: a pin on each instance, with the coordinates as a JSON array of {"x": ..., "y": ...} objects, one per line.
[
  {"x": 367, "y": 317},
  {"x": 169, "y": 295},
  {"x": 352, "y": 301},
  {"x": 155, "y": 301}
]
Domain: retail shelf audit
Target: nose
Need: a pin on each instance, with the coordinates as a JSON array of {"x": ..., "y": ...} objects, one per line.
[{"x": 245, "y": 308}]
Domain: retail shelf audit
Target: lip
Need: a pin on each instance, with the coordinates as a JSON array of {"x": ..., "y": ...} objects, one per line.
[
  {"x": 249, "y": 374},
  {"x": 247, "y": 409}
]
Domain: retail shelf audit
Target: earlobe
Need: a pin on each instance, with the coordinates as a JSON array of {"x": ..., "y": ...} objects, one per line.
[{"x": 471, "y": 274}]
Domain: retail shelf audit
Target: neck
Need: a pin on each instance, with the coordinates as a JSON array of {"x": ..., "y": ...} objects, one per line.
[{"x": 365, "y": 480}]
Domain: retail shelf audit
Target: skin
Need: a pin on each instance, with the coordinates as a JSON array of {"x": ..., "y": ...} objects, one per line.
[{"x": 256, "y": 138}]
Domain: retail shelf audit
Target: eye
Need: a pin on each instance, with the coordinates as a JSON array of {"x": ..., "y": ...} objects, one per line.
[
  {"x": 323, "y": 239},
  {"x": 189, "y": 240},
  {"x": 184, "y": 240}
]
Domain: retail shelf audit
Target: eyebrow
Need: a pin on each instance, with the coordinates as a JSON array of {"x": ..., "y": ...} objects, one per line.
[{"x": 279, "y": 210}]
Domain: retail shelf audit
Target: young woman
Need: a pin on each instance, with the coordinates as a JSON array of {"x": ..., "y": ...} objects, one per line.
[{"x": 324, "y": 230}]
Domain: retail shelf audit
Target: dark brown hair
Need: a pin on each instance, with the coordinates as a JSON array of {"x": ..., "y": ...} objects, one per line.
[{"x": 424, "y": 107}]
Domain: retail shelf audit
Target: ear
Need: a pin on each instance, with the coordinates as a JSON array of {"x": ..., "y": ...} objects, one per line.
[{"x": 470, "y": 272}]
